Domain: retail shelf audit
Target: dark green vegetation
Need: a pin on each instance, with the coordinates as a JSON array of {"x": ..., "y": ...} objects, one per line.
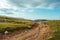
[
  {"x": 10, "y": 24},
  {"x": 39, "y": 20},
  {"x": 55, "y": 25}
]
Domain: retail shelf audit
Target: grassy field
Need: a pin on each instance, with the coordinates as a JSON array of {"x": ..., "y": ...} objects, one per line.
[
  {"x": 11, "y": 24},
  {"x": 55, "y": 25},
  {"x": 8, "y": 23}
]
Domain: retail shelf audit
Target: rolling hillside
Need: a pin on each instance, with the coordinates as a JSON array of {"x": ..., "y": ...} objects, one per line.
[
  {"x": 8, "y": 23},
  {"x": 43, "y": 28},
  {"x": 55, "y": 26}
]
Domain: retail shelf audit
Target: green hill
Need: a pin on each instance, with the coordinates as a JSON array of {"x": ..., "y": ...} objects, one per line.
[
  {"x": 55, "y": 25},
  {"x": 8, "y": 23}
]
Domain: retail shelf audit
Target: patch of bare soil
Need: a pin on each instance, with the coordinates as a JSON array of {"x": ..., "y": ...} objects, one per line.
[{"x": 39, "y": 32}]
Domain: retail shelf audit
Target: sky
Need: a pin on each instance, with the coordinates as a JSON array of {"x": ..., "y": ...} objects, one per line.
[{"x": 31, "y": 9}]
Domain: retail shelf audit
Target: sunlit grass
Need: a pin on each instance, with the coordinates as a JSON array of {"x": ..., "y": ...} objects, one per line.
[
  {"x": 11, "y": 24},
  {"x": 55, "y": 25}
]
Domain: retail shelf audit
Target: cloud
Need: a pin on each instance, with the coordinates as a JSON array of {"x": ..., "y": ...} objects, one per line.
[
  {"x": 11, "y": 13},
  {"x": 20, "y": 8},
  {"x": 4, "y": 4},
  {"x": 6, "y": 11},
  {"x": 36, "y": 3},
  {"x": 8, "y": 8}
]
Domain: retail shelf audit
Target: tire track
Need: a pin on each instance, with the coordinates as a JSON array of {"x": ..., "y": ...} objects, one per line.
[{"x": 38, "y": 33}]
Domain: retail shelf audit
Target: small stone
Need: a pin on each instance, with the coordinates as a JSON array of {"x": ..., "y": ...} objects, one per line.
[{"x": 6, "y": 32}]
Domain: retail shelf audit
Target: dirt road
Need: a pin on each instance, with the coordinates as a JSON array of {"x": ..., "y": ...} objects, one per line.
[{"x": 38, "y": 33}]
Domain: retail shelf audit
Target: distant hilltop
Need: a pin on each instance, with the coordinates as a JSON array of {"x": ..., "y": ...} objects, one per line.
[{"x": 40, "y": 20}]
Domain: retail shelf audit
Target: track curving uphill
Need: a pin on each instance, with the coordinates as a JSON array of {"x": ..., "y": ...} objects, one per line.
[{"x": 37, "y": 33}]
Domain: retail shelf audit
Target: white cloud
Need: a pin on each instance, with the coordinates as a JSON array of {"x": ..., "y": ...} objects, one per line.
[
  {"x": 35, "y": 3},
  {"x": 4, "y": 4},
  {"x": 14, "y": 4},
  {"x": 20, "y": 8}
]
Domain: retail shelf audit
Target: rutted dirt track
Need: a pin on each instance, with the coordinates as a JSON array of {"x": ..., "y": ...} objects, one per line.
[{"x": 38, "y": 33}]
